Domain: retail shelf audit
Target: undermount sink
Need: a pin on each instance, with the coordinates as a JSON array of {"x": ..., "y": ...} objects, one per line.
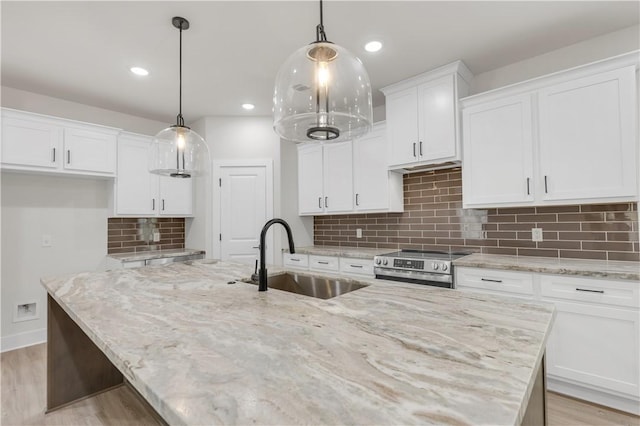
[{"x": 309, "y": 285}]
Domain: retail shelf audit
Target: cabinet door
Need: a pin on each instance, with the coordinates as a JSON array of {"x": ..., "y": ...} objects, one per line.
[
  {"x": 310, "y": 191},
  {"x": 402, "y": 126},
  {"x": 176, "y": 196},
  {"x": 596, "y": 346},
  {"x": 498, "y": 153},
  {"x": 89, "y": 150},
  {"x": 31, "y": 143},
  {"x": 338, "y": 177},
  {"x": 371, "y": 171},
  {"x": 437, "y": 119},
  {"x": 136, "y": 188},
  {"x": 587, "y": 137}
]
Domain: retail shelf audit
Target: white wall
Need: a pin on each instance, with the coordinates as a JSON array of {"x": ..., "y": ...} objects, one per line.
[
  {"x": 233, "y": 138},
  {"x": 41, "y": 104},
  {"x": 595, "y": 49},
  {"x": 72, "y": 210}
]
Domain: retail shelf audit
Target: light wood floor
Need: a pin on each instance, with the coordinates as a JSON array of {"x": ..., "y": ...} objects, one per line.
[{"x": 23, "y": 387}]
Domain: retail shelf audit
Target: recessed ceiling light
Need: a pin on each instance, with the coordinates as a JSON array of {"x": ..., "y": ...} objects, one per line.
[
  {"x": 373, "y": 46},
  {"x": 248, "y": 107},
  {"x": 139, "y": 71}
]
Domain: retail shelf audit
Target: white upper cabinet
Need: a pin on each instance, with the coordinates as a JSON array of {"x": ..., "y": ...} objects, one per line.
[
  {"x": 38, "y": 143},
  {"x": 565, "y": 138},
  {"x": 310, "y": 175},
  {"x": 587, "y": 137},
  {"x": 137, "y": 192},
  {"x": 499, "y": 139},
  {"x": 348, "y": 177},
  {"x": 338, "y": 177},
  {"x": 135, "y": 188},
  {"x": 422, "y": 117},
  {"x": 176, "y": 196},
  {"x": 325, "y": 178},
  {"x": 89, "y": 150},
  {"x": 375, "y": 187},
  {"x": 30, "y": 143}
]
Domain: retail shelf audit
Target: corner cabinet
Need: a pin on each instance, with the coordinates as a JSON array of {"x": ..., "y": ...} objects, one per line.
[
  {"x": 566, "y": 138},
  {"x": 422, "y": 117},
  {"x": 594, "y": 344},
  {"x": 348, "y": 177},
  {"x": 39, "y": 143},
  {"x": 137, "y": 192}
]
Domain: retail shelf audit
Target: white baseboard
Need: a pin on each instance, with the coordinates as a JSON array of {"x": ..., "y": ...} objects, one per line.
[
  {"x": 619, "y": 402},
  {"x": 21, "y": 340}
]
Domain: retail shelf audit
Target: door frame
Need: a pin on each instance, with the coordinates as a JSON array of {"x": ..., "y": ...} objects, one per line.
[{"x": 218, "y": 165}]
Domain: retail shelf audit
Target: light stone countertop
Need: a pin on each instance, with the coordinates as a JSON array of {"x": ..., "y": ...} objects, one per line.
[
  {"x": 202, "y": 351},
  {"x": 153, "y": 254},
  {"x": 620, "y": 270},
  {"x": 340, "y": 251}
]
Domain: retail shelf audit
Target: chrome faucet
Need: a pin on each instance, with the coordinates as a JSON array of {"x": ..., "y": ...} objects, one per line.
[{"x": 262, "y": 274}]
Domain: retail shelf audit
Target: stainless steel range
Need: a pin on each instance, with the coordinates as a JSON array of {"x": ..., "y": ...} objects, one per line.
[{"x": 416, "y": 266}]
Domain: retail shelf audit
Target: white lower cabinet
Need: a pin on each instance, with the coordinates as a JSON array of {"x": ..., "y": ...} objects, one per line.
[
  {"x": 357, "y": 267},
  {"x": 296, "y": 261},
  {"x": 324, "y": 263},
  {"x": 354, "y": 267},
  {"x": 593, "y": 351},
  {"x": 519, "y": 284}
]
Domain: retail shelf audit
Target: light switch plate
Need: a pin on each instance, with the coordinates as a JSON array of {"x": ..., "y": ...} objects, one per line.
[
  {"x": 536, "y": 234},
  {"x": 359, "y": 233}
]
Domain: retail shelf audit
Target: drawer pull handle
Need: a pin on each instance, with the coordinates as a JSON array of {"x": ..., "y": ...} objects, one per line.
[
  {"x": 68, "y": 156},
  {"x": 490, "y": 280},
  {"x": 54, "y": 155},
  {"x": 356, "y": 266},
  {"x": 319, "y": 202},
  {"x": 293, "y": 259},
  {"x": 323, "y": 263},
  {"x": 414, "y": 149},
  {"x": 590, "y": 291}
]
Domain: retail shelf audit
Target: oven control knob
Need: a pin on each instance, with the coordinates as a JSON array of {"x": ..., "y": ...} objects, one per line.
[
  {"x": 444, "y": 267},
  {"x": 435, "y": 266},
  {"x": 385, "y": 261},
  {"x": 378, "y": 261}
]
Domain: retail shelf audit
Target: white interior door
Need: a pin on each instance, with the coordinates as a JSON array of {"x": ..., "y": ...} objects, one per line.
[{"x": 244, "y": 209}]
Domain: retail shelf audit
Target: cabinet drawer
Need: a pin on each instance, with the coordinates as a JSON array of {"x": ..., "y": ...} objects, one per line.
[
  {"x": 495, "y": 281},
  {"x": 610, "y": 292},
  {"x": 300, "y": 261},
  {"x": 324, "y": 263},
  {"x": 356, "y": 266}
]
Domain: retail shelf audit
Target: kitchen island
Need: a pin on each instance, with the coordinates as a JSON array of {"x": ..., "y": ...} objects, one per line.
[{"x": 201, "y": 347}]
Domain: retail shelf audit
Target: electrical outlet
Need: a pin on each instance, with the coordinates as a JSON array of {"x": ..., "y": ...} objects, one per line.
[
  {"x": 359, "y": 233},
  {"x": 46, "y": 240},
  {"x": 25, "y": 311},
  {"x": 536, "y": 234},
  {"x": 156, "y": 237}
]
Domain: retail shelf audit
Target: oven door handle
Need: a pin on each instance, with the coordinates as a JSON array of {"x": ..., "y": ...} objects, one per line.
[{"x": 414, "y": 275}]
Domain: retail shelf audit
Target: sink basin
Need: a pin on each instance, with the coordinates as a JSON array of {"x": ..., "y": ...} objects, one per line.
[{"x": 309, "y": 285}]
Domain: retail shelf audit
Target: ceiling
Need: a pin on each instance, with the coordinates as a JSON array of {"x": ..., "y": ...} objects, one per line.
[{"x": 82, "y": 50}]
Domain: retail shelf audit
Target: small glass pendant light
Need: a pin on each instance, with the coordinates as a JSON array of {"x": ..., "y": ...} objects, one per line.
[
  {"x": 322, "y": 93},
  {"x": 178, "y": 151}
]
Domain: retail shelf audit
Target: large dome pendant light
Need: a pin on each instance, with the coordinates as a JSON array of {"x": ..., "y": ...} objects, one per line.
[
  {"x": 322, "y": 93},
  {"x": 178, "y": 151}
]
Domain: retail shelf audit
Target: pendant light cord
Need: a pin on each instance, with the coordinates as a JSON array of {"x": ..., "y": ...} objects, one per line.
[
  {"x": 180, "y": 120},
  {"x": 320, "y": 35}
]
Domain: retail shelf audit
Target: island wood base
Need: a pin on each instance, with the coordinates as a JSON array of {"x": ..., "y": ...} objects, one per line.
[
  {"x": 76, "y": 368},
  {"x": 536, "y": 413}
]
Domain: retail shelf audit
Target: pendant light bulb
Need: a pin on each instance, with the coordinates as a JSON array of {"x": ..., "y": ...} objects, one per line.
[
  {"x": 322, "y": 93},
  {"x": 178, "y": 151}
]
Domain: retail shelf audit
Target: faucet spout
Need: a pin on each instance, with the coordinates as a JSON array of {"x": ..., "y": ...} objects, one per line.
[{"x": 262, "y": 274}]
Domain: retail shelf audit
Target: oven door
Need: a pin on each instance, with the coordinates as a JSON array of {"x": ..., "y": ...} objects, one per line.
[{"x": 414, "y": 277}]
